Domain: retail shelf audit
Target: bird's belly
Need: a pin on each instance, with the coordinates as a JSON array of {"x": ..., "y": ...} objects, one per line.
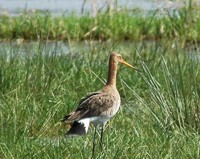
[
  {"x": 99, "y": 119},
  {"x": 106, "y": 115}
]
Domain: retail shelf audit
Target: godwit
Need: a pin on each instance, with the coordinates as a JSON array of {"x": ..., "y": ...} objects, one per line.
[{"x": 98, "y": 107}]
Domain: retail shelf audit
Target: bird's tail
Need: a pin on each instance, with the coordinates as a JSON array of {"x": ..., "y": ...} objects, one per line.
[{"x": 77, "y": 128}]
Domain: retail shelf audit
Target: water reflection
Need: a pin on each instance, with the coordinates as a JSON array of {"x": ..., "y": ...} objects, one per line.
[{"x": 30, "y": 49}]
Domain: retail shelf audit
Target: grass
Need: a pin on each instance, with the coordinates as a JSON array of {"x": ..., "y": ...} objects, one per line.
[
  {"x": 40, "y": 83},
  {"x": 123, "y": 25},
  {"x": 159, "y": 116}
]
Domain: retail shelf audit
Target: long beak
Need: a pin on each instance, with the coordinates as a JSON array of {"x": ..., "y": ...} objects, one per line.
[{"x": 127, "y": 64}]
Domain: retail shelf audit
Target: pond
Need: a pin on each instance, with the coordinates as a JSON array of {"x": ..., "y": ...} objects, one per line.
[
  {"x": 30, "y": 49},
  {"x": 60, "y": 7}
]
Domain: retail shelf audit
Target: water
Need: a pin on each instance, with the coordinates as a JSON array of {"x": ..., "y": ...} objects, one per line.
[
  {"x": 31, "y": 49},
  {"x": 60, "y": 7}
]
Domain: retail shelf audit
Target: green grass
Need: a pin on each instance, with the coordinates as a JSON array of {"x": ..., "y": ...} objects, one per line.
[
  {"x": 159, "y": 116},
  {"x": 123, "y": 25}
]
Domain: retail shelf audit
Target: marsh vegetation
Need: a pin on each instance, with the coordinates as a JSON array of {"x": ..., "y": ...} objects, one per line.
[{"x": 160, "y": 113}]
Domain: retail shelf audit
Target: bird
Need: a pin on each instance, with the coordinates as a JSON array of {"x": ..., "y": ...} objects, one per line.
[{"x": 97, "y": 107}]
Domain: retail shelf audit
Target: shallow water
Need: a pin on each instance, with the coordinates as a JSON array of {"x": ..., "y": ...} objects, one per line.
[
  {"x": 60, "y": 7},
  {"x": 30, "y": 49}
]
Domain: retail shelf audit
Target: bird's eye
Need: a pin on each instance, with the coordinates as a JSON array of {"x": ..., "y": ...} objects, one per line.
[{"x": 120, "y": 57}]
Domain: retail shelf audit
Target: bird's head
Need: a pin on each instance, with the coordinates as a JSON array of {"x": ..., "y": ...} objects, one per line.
[{"x": 117, "y": 58}]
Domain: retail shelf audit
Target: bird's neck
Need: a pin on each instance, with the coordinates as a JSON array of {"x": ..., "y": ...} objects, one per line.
[{"x": 112, "y": 73}]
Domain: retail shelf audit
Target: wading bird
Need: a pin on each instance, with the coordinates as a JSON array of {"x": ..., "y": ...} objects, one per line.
[{"x": 98, "y": 107}]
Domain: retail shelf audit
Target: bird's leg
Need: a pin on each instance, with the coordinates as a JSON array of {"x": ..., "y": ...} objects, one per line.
[
  {"x": 94, "y": 141},
  {"x": 101, "y": 138}
]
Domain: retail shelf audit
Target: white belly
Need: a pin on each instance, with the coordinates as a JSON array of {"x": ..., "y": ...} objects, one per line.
[{"x": 99, "y": 120}]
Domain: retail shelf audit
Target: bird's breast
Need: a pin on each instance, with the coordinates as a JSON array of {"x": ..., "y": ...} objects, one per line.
[
  {"x": 107, "y": 110},
  {"x": 114, "y": 109}
]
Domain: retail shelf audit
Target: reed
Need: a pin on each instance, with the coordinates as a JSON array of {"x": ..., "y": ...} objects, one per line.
[
  {"x": 121, "y": 25},
  {"x": 159, "y": 117}
]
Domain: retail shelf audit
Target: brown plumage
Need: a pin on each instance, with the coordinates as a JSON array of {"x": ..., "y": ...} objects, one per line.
[{"x": 98, "y": 107}]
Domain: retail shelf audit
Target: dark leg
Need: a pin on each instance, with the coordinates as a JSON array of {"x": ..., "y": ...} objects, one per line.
[
  {"x": 94, "y": 141},
  {"x": 101, "y": 139}
]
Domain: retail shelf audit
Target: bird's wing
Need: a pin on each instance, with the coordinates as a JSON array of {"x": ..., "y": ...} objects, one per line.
[{"x": 92, "y": 105}]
